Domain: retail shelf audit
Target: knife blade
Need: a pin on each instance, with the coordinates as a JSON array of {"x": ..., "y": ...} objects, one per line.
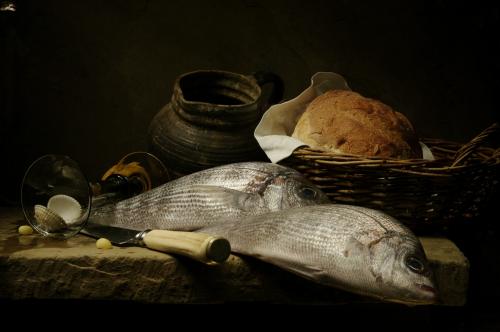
[{"x": 199, "y": 246}]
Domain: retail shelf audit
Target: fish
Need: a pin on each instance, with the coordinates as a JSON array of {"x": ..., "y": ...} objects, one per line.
[
  {"x": 353, "y": 248},
  {"x": 230, "y": 191}
]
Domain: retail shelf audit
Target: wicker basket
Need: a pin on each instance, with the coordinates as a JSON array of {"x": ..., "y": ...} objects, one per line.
[{"x": 423, "y": 194}]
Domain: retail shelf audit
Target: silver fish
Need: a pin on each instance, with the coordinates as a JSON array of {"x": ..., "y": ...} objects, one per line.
[
  {"x": 196, "y": 200},
  {"x": 349, "y": 247}
]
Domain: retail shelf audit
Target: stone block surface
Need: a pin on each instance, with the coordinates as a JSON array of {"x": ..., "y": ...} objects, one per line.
[{"x": 32, "y": 267}]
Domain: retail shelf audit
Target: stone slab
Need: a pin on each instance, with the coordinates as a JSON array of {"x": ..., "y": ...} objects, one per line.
[{"x": 33, "y": 267}]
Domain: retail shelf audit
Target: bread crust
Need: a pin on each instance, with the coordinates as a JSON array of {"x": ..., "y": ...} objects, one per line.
[{"x": 344, "y": 121}]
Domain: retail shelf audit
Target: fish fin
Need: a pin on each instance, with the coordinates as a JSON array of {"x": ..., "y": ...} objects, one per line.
[
  {"x": 308, "y": 271},
  {"x": 241, "y": 200},
  {"x": 354, "y": 247}
]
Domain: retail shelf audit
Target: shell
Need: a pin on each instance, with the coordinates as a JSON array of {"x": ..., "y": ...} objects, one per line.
[
  {"x": 66, "y": 207},
  {"x": 49, "y": 220}
]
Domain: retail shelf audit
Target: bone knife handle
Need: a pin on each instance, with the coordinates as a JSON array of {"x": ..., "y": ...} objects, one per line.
[{"x": 199, "y": 246}]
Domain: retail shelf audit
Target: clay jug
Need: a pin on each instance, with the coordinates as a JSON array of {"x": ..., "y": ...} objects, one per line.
[{"x": 210, "y": 120}]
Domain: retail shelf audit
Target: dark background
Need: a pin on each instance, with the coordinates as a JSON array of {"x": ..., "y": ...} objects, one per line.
[{"x": 85, "y": 78}]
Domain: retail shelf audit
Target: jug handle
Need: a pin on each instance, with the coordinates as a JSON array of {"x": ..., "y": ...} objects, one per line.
[{"x": 265, "y": 77}]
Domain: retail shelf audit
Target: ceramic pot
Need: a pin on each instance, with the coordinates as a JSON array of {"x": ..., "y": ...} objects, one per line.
[{"x": 210, "y": 120}]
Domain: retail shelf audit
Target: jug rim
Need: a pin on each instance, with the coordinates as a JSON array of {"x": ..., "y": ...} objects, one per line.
[{"x": 248, "y": 79}]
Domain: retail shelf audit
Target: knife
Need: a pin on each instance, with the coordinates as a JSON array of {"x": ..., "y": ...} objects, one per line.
[{"x": 199, "y": 246}]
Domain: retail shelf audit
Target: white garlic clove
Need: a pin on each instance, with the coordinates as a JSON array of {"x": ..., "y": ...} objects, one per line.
[
  {"x": 67, "y": 207},
  {"x": 48, "y": 220}
]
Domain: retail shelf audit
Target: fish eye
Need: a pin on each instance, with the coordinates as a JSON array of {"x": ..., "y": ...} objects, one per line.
[
  {"x": 415, "y": 264},
  {"x": 308, "y": 193}
]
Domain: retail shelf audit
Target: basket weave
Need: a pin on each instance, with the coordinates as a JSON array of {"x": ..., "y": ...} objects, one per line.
[{"x": 423, "y": 194}]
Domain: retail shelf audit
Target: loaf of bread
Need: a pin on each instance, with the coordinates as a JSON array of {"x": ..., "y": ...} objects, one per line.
[{"x": 343, "y": 121}]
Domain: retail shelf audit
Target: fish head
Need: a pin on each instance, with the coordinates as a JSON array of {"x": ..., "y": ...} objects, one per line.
[
  {"x": 401, "y": 271},
  {"x": 292, "y": 190}
]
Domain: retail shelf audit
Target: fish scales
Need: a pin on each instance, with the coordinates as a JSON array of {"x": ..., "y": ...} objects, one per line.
[
  {"x": 229, "y": 191},
  {"x": 246, "y": 177},
  {"x": 348, "y": 247},
  {"x": 151, "y": 212}
]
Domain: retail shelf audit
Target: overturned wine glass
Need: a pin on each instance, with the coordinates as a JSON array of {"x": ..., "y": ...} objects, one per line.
[{"x": 57, "y": 198}]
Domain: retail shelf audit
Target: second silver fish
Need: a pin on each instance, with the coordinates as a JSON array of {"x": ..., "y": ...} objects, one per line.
[{"x": 200, "y": 199}]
